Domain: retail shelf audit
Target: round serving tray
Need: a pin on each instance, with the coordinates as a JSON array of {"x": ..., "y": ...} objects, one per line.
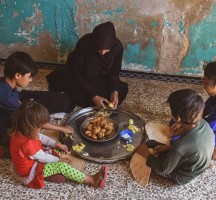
[{"x": 108, "y": 151}]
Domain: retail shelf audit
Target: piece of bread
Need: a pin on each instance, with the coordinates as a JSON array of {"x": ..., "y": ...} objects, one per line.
[
  {"x": 140, "y": 171},
  {"x": 159, "y": 132}
]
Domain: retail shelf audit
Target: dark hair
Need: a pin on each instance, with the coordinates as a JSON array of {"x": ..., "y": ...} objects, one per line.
[
  {"x": 210, "y": 72},
  {"x": 186, "y": 104},
  {"x": 19, "y": 62},
  {"x": 29, "y": 117}
]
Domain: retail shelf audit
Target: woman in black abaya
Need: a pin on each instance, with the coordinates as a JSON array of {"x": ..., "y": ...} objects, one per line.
[{"x": 91, "y": 76}]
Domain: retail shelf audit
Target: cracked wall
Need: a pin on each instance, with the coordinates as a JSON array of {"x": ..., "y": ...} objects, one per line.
[{"x": 159, "y": 36}]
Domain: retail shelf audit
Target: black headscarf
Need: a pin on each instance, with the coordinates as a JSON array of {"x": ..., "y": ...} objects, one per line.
[
  {"x": 104, "y": 36},
  {"x": 87, "y": 72}
]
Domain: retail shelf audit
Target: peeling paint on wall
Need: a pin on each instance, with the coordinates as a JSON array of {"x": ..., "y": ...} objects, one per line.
[
  {"x": 202, "y": 44},
  {"x": 169, "y": 36},
  {"x": 31, "y": 19},
  {"x": 146, "y": 57}
]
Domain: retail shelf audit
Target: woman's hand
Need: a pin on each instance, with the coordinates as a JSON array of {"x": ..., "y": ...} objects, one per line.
[
  {"x": 114, "y": 99},
  {"x": 61, "y": 147},
  {"x": 99, "y": 101}
]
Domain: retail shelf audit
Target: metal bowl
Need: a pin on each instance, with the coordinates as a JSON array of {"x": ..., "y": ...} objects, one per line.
[{"x": 104, "y": 139}]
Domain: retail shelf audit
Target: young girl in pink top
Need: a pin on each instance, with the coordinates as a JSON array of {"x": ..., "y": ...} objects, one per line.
[{"x": 32, "y": 161}]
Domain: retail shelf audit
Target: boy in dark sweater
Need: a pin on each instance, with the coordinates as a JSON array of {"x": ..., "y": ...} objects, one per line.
[
  {"x": 209, "y": 83},
  {"x": 189, "y": 155},
  {"x": 19, "y": 70}
]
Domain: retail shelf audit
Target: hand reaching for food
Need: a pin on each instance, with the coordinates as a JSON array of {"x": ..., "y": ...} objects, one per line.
[
  {"x": 67, "y": 130},
  {"x": 61, "y": 147},
  {"x": 114, "y": 99},
  {"x": 100, "y": 101}
]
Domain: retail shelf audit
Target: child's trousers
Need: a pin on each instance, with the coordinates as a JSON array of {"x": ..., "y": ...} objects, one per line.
[{"x": 64, "y": 169}]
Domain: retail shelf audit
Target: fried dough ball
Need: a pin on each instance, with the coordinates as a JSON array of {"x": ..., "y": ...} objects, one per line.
[
  {"x": 101, "y": 135},
  {"x": 94, "y": 137},
  {"x": 89, "y": 127},
  {"x": 103, "y": 130},
  {"x": 108, "y": 132},
  {"x": 87, "y": 132},
  {"x": 98, "y": 128},
  {"x": 93, "y": 121}
]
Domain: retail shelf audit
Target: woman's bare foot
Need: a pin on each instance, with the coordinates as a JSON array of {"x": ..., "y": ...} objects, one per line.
[{"x": 96, "y": 179}]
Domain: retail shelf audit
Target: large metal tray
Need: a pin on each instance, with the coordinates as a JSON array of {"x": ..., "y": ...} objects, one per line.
[{"x": 109, "y": 151}]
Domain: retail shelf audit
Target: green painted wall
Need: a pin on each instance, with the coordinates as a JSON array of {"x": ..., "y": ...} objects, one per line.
[{"x": 166, "y": 38}]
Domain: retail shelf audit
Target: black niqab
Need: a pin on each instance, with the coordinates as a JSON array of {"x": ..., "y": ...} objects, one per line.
[
  {"x": 88, "y": 73},
  {"x": 104, "y": 36}
]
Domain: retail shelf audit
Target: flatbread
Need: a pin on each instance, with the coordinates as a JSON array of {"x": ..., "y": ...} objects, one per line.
[
  {"x": 140, "y": 171},
  {"x": 159, "y": 132}
]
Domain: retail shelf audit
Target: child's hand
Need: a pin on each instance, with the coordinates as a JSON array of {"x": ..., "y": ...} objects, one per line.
[
  {"x": 61, "y": 147},
  {"x": 176, "y": 129},
  {"x": 143, "y": 150},
  {"x": 67, "y": 130},
  {"x": 161, "y": 148},
  {"x": 64, "y": 157}
]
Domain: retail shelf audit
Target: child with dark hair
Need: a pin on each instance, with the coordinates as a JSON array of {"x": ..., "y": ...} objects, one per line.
[
  {"x": 19, "y": 71},
  {"x": 209, "y": 83},
  {"x": 189, "y": 155},
  {"x": 33, "y": 162}
]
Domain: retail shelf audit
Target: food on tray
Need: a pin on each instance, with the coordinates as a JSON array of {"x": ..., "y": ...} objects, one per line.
[
  {"x": 129, "y": 147},
  {"x": 102, "y": 113},
  {"x": 78, "y": 147},
  {"x": 110, "y": 105},
  {"x": 132, "y": 127},
  {"x": 131, "y": 121},
  {"x": 99, "y": 127}
]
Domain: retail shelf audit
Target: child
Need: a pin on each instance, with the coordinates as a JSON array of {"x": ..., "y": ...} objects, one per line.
[
  {"x": 19, "y": 70},
  {"x": 191, "y": 153},
  {"x": 209, "y": 83},
  {"x": 32, "y": 162}
]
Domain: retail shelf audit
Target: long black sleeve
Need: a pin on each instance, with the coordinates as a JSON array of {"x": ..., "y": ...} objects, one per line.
[
  {"x": 116, "y": 68},
  {"x": 76, "y": 64}
]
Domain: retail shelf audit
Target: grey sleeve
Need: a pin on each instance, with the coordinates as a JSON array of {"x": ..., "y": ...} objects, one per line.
[
  {"x": 46, "y": 141},
  {"x": 43, "y": 157},
  {"x": 166, "y": 164}
]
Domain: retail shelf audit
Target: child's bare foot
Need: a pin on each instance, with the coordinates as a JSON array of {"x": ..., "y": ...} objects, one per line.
[
  {"x": 214, "y": 154},
  {"x": 98, "y": 179},
  {"x": 211, "y": 165}
]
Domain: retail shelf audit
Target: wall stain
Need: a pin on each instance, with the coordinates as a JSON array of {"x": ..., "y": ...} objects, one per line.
[
  {"x": 169, "y": 36},
  {"x": 201, "y": 50}
]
